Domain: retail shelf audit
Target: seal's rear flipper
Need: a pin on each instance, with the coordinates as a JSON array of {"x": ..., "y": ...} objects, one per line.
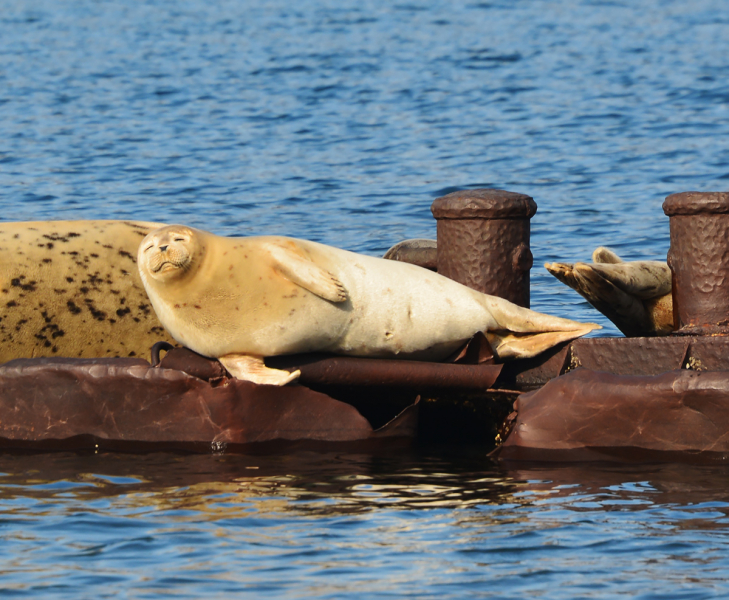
[
  {"x": 300, "y": 270},
  {"x": 507, "y": 344},
  {"x": 522, "y": 333},
  {"x": 253, "y": 369},
  {"x": 605, "y": 256}
]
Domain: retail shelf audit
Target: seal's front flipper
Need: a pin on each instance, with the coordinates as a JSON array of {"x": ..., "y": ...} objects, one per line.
[
  {"x": 253, "y": 369},
  {"x": 300, "y": 270}
]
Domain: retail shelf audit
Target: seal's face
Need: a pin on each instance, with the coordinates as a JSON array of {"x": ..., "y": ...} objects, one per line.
[{"x": 169, "y": 253}]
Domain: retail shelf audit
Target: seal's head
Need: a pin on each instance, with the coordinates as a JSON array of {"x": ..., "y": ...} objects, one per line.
[{"x": 170, "y": 253}]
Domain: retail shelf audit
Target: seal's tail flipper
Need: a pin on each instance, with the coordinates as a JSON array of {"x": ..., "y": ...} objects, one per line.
[
  {"x": 517, "y": 319},
  {"x": 521, "y": 333},
  {"x": 605, "y": 256},
  {"x": 298, "y": 269},
  {"x": 253, "y": 369},
  {"x": 507, "y": 344}
]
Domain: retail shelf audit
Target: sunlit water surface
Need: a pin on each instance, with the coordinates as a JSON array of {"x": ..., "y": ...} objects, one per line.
[{"x": 341, "y": 122}]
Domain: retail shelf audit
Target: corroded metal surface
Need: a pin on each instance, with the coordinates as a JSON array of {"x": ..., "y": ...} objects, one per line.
[
  {"x": 530, "y": 373},
  {"x": 470, "y": 368},
  {"x": 127, "y": 404},
  {"x": 483, "y": 241},
  {"x": 484, "y": 204},
  {"x": 187, "y": 361},
  {"x": 588, "y": 415},
  {"x": 709, "y": 353},
  {"x": 629, "y": 356},
  {"x": 699, "y": 261},
  {"x": 620, "y": 356},
  {"x": 418, "y": 376}
]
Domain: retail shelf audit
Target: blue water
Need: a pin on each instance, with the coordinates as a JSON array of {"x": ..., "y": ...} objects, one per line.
[{"x": 341, "y": 122}]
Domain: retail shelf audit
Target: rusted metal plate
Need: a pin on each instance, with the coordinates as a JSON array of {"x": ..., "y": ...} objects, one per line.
[
  {"x": 586, "y": 415},
  {"x": 629, "y": 356},
  {"x": 476, "y": 351},
  {"x": 708, "y": 353},
  {"x": 530, "y": 373},
  {"x": 130, "y": 403},
  {"x": 620, "y": 356}
]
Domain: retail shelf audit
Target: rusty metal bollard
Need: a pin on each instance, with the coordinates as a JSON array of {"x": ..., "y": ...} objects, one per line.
[
  {"x": 483, "y": 241},
  {"x": 699, "y": 261}
]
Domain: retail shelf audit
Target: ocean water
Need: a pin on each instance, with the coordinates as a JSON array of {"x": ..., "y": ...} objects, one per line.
[{"x": 341, "y": 122}]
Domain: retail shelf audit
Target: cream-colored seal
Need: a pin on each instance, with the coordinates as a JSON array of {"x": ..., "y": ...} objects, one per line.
[
  {"x": 243, "y": 299},
  {"x": 634, "y": 295},
  {"x": 72, "y": 288}
]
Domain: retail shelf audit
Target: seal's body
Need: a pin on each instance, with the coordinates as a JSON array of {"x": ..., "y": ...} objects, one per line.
[
  {"x": 72, "y": 288},
  {"x": 241, "y": 299},
  {"x": 635, "y": 295}
]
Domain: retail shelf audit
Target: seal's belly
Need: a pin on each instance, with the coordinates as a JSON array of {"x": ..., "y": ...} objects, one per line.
[
  {"x": 399, "y": 309},
  {"x": 279, "y": 323}
]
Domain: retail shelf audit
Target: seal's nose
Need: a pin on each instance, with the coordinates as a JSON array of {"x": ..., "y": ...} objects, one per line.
[{"x": 162, "y": 248}]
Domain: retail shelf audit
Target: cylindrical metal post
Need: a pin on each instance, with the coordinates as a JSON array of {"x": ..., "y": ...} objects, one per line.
[
  {"x": 699, "y": 261},
  {"x": 483, "y": 241}
]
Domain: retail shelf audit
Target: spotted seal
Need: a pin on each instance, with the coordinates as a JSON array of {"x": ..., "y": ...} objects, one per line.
[{"x": 72, "y": 288}]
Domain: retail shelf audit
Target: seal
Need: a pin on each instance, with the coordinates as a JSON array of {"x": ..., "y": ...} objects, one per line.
[
  {"x": 635, "y": 295},
  {"x": 418, "y": 251},
  {"x": 72, "y": 288},
  {"x": 242, "y": 299}
]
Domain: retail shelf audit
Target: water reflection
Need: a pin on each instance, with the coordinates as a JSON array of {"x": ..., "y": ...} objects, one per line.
[
  {"x": 219, "y": 487},
  {"x": 305, "y": 482},
  {"x": 417, "y": 519},
  {"x": 697, "y": 492}
]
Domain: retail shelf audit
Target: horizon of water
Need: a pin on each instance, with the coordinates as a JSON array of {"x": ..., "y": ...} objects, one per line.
[{"x": 341, "y": 122}]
